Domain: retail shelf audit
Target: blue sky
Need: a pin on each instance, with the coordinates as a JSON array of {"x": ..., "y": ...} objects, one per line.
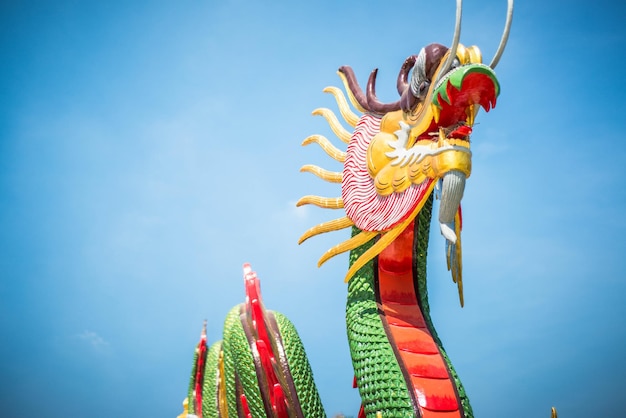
[{"x": 149, "y": 149}]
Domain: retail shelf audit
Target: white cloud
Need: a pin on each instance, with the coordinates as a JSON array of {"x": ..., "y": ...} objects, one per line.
[{"x": 92, "y": 339}]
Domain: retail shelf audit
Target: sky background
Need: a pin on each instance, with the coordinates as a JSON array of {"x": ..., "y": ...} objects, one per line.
[{"x": 149, "y": 149}]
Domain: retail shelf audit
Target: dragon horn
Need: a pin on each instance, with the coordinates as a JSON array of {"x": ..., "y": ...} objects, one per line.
[
  {"x": 403, "y": 76},
  {"x": 402, "y": 84},
  {"x": 505, "y": 35},
  {"x": 372, "y": 101},
  {"x": 455, "y": 41}
]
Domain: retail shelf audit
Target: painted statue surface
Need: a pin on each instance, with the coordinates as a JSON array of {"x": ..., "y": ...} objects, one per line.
[{"x": 397, "y": 159}]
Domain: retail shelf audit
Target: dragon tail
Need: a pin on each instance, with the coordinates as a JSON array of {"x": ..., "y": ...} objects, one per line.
[{"x": 259, "y": 369}]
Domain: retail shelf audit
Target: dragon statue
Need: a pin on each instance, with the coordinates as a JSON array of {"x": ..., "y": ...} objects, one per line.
[{"x": 398, "y": 156}]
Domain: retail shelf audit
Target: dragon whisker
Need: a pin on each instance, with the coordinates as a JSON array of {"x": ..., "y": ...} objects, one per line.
[
  {"x": 329, "y": 176},
  {"x": 332, "y": 151},
  {"x": 329, "y": 226},
  {"x": 348, "y": 245},
  {"x": 334, "y": 123},
  {"x": 344, "y": 107},
  {"x": 322, "y": 202}
]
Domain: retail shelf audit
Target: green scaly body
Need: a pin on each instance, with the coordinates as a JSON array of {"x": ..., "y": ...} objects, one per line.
[
  {"x": 381, "y": 382},
  {"x": 239, "y": 368}
]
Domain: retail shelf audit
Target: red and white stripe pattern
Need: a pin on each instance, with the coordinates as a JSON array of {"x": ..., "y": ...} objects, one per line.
[{"x": 363, "y": 205}]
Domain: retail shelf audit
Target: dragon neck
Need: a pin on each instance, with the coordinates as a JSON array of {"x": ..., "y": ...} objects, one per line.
[{"x": 400, "y": 365}]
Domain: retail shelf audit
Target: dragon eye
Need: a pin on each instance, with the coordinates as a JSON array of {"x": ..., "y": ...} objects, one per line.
[
  {"x": 419, "y": 82},
  {"x": 423, "y": 88}
]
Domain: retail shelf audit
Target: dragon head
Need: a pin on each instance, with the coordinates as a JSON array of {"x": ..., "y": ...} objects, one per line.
[
  {"x": 437, "y": 112},
  {"x": 426, "y": 133},
  {"x": 401, "y": 150}
]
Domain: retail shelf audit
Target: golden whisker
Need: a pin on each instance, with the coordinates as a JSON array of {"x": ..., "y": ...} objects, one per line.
[
  {"x": 334, "y": 123},
  {"x": 333, "y": 152},
  {"x": 329, "y": 176},
  {"x": 334, "y": 225},
  {"x": 344, "y": 107},
  {"x": 322, "y": 202},
  {"x": 350, "y": 244}
]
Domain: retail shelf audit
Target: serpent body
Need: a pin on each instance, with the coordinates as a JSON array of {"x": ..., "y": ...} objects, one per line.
[
  {"x": 259, "y": 369},
  {"x": 369, "y": 319}
]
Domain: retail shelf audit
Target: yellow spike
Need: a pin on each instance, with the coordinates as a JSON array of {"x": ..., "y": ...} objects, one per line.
[
  {"x": 322, "y": 202},
  {"x": 554, "y": 414},
  {"x": 334, "y": 123},
  {"x": 474, "y": 54},
  {"x": 344, "y": 108},
  {"x": 386, "y": 239},
  {"x": 330, "y": 176},
  {"x": 334, "y": 225},
  {"x": 462, "y": 54},
  {"x": 329, "y": 148},
  {"x": 356, "y": 104},
  {"x": 350, "y": 244}
]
